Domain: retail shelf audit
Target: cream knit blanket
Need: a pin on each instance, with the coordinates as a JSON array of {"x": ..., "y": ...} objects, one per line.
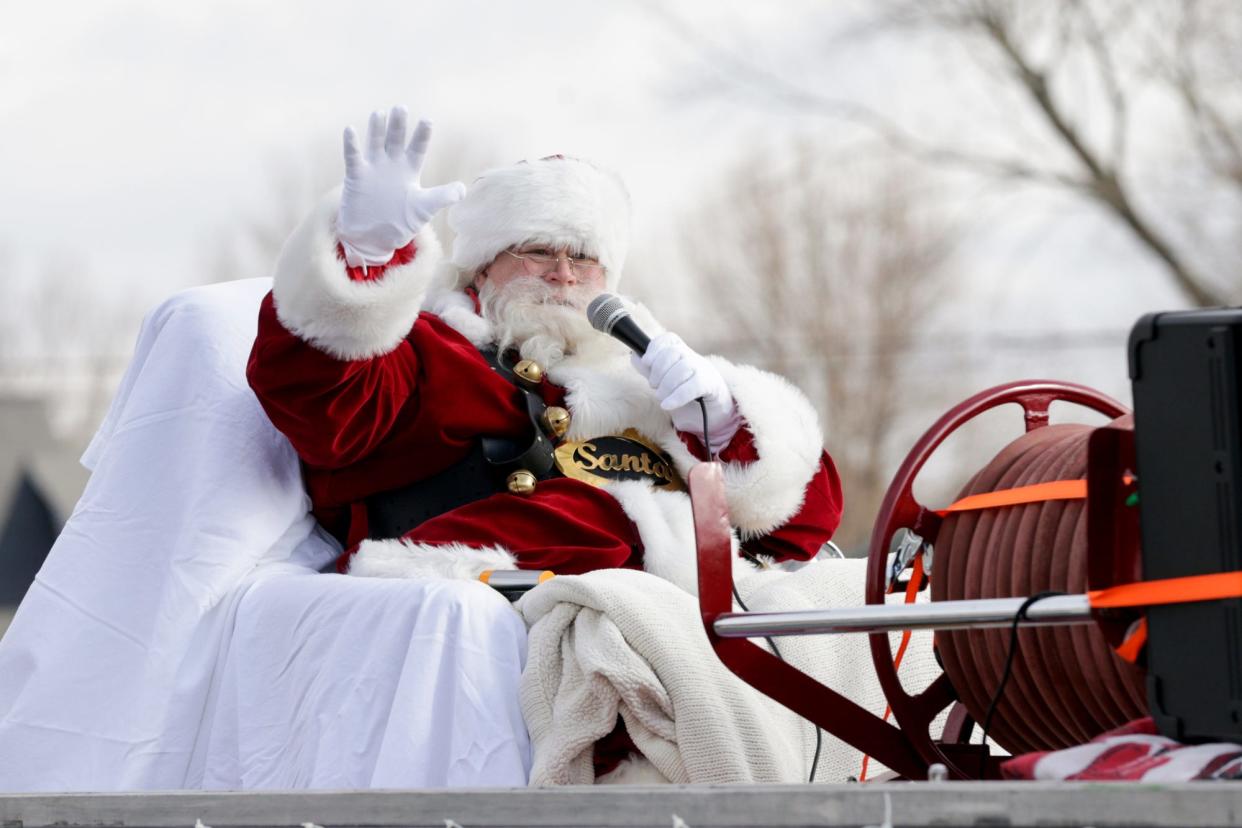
[{"x": 625, "y": 642}]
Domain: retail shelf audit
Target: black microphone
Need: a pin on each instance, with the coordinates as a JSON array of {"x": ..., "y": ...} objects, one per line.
[{"x": 609, "y": 316}]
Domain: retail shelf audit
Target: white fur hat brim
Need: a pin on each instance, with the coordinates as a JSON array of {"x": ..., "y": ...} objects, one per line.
[{"x": 557, "y": 201}]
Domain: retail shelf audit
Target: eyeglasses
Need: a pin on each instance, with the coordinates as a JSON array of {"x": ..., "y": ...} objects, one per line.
[{"x": 540, "y": 262}]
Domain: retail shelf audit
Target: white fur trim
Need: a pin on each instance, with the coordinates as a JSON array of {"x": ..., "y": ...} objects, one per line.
[
  {"x": 666, "y": 527},
  {"x": 561, "y": 202},
  {"x": 763, "y": 495},
  {"x": 317, "y": 300},
  {"x": 405, "y": 559},
  {"x": 636, "y": 769},
  {"x": 457, "y": 311},
  {"x": 607, "y": 398}
]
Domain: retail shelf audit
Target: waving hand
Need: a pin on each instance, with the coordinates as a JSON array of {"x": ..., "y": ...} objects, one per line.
[{"x": 383, "y": 202}]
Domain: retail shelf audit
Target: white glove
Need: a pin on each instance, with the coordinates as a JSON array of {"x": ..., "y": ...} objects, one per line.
[
  {"x": 382, "y": 203},
  {"x": 680, "y": 376}
]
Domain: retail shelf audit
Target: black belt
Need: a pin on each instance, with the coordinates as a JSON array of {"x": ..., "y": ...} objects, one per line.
[
  {"x": 392, "y": 513},
  {"x": 480, "y": 474},
  {"x": 537, "y": 454}
]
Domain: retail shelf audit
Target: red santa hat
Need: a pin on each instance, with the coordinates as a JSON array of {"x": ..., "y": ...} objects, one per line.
[{"x": 555, "y": 201}]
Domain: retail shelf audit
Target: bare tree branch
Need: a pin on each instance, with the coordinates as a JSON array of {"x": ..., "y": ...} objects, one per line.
[
  {"x": 769, "y": 88},
  {"x": 1098, "y": 43},
  {"x": 1103, "y": 181},
  {"x": 1101, "y": 174},
  {"x": 1213, "y": 135}
]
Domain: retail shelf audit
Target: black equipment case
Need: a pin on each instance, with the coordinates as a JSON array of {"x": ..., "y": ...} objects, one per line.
[{"x": 1184, "y": 369}]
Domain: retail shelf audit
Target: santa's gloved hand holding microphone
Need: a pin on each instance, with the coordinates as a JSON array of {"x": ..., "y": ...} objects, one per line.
[
  {"x": 383, "y": 203},
  {"x": 686, "y": 383}
]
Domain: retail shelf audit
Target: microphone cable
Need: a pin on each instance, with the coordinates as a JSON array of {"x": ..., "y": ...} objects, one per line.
[
  {"x": 819, "y": 733},
  {"x": 707, "y": 440}
]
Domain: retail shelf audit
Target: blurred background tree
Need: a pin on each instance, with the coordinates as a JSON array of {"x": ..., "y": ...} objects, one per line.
[
  {"x": 824, "y": 269},
  {"x": 1066, "y": 95}
]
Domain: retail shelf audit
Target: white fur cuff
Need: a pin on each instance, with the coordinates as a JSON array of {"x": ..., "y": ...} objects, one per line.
[
  {"x": 406, "y": 559},
  {"x": 317, "y": 300},
  {"x": 763, "y": 495},
  {"x": 561, "y": 202}
]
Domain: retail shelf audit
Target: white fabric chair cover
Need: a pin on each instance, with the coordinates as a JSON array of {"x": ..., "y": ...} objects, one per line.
[{"x": 178, "y": 635}]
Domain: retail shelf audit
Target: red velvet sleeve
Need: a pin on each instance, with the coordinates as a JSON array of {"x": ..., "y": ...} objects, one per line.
[
  {"x": 333, "y": 411},
  {"x": 800, "y": 537}
]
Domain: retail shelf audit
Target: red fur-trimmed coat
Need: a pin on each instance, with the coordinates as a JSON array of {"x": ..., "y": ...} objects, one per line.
[{"x": 376, "y": 378}]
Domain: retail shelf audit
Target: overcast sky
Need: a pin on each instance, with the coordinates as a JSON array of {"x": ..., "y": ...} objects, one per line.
[
  {"x": 138, "y": 134},
  {"x": 135, "y": 129}
]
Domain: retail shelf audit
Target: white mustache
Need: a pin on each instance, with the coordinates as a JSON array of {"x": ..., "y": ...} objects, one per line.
[{"x": 541, "y": 293}]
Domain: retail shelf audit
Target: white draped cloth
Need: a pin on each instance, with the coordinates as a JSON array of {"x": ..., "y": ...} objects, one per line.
[{"x": 179, "y": 634}]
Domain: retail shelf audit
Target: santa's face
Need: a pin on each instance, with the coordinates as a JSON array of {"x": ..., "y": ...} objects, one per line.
[
  {"x": 570, "y": 277},
  {"x": 538, "y": 306}
]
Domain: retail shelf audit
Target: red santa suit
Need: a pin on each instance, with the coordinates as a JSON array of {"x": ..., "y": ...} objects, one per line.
[{"x": 376, "y": 377}]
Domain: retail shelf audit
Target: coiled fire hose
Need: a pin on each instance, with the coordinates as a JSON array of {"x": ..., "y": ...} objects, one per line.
[{"x": 1067, "y": 684}]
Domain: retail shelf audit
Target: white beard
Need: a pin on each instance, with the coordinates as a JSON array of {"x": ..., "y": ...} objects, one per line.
[{"x": 542, "y": 322}]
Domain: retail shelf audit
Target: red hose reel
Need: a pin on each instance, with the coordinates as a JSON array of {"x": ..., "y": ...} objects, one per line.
[{"x": 1067, "y": 684}]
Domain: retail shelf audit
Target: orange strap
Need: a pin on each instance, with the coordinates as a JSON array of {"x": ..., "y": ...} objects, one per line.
[
  {"x": 1052, "y": 490},
  {"x": 1134, "y": 643},
  {"x": 1211, "y": 587},
  {"x": 912, "y": 591}
]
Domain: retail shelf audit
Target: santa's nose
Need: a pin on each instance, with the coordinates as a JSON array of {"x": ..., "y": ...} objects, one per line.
[{"x": 562, "y": 274}]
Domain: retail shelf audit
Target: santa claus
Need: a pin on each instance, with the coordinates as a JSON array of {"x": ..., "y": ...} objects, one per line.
[{"x": 456, "y": 415}]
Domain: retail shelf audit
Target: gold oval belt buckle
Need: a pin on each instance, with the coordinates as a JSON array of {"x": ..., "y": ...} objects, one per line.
[{"x": 628, "y": 456}]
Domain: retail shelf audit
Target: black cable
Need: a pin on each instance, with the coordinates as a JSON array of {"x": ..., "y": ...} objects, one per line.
[
  {"x": 819, "y": 733},
  {"x": 1018, "y": 618},
  {"x": 707, "y": 441}
]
